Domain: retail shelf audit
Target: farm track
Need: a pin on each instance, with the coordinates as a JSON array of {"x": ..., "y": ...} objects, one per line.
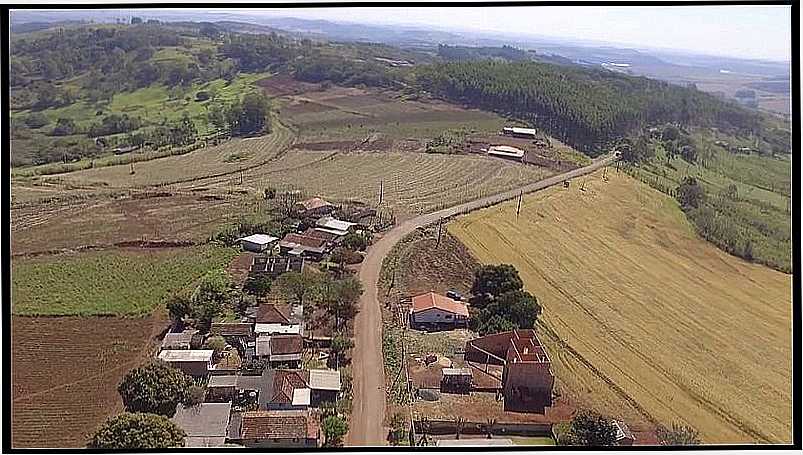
[{"x": 368, "y": 410}]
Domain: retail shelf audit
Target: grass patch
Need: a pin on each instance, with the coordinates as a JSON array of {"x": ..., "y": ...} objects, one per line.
[
  {"x": 544, "y": 441},
  {"x": 119, "y": 283}
]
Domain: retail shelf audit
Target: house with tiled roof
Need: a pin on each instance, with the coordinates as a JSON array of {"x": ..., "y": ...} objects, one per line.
[
  {"x": 304, "y": 246},
  {"x": 433, "y": 310},
  {"x": 527, "y": 377},
  {"x": 280, "y": 350},
  {"x": 314, "y": 207},
  {"x": 287, "y": 428}
]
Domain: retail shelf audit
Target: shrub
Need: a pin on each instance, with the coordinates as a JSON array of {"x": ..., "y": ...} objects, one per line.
[
  {"x": 137, "y": 431},
  {"x": 195, "y": 395},
  {"x": 679, "y": 435},
  {"x": 203, "y": 95},
  {"x": 36, "y": 120},
  {"x": 155, "y": 388},
  {"x": 589, "y": 428},
  {"x": 334, "y": 428},
  {"x": 345, "y": 256}
]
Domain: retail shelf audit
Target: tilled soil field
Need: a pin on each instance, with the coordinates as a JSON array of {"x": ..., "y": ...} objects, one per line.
[{"x": 65, "y": 374}]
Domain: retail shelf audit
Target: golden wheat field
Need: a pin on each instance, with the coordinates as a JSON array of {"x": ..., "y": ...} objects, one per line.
[{"x": 665, "y": 323}]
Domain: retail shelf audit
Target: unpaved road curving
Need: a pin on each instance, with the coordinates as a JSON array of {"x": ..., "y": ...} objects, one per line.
[{"x": 368, "y": 411}]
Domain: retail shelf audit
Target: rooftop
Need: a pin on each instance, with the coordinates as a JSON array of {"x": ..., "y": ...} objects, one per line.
[
  {"x": 276, "y": 264},
  {"x": 228, "y": 380},
  {"x": 280, "y": 329},
  {"x": 324, "y": 379},
  {"x": 518, "y": 130},
  {"x": 432, "y": 300},
  {"x": 314, "y": 203},
  {"x": 506, "y": 150},
  {"x": 298, "y": 240},
  {"x": 302, "y": 397},
  {"x": 267, "y": 313},
  {"x": 456, "y": 371},
  {"x": 206, "y": 420},
  {"x": 300, "y": 424},
  {"x": 178, "y": 340},
  {"x": 329, "y": 222},
  {"x": 261, "y": 239},
  {"x": 242, "y": 329},
  {"x": 286, "y": 344},
  {"x": 186, "y": 355}
]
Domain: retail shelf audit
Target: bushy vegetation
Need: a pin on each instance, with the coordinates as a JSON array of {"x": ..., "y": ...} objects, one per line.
[
  {"x": 678, "y": 435},
  {"x": 155, "y": 388},
  {"x": 499, "y": 302},
  {"x": 587, "y": 428},
  {"x": 737, "y": 201},
  {"x": 137, "y": 431}
]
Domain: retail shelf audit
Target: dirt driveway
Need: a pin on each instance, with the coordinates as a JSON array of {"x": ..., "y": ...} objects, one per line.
[{"x": 368, "y": 411}]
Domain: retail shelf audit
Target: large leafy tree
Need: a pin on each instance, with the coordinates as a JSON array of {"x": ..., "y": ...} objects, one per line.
[
  {"x": 155, "y": 388},
  {"x": 494, "y": 280},
  {"x": 499, "y": 302},
  {"x": 137, "y": 431},
  {"x": 690, "y": 193}
]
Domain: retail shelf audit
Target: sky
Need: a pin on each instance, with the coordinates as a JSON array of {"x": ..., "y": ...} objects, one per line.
[{"x": 762, "y": 32}]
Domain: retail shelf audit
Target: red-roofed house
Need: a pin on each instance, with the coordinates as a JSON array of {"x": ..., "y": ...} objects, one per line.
[
  {"x": 527, "y": 377},
  {"x": 301, "y": 245},
  {"x": 433, "y": 309}
]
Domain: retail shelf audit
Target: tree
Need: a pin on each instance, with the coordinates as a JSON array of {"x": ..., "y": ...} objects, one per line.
[
  {"x": 297, "y": 285},
  {"x": 494, "y": 280},
  {"x": 339, "y": 346},
  {"x": 137, "y": 431},
  {"x": 64, "y": 127},
  {"x": 334, "y": 428},
  {"x": 690, "y": 193},
  {"x": 589, "y": 428},
  {"x": 257, "y": 285},
  {"x": 155, "y": 388},
  {"x": 355, "y": 242},
  {"x": 195, "y": 395},
  {"x": 179, "y": 306},
  {"x": 398, "y": 429},
  {"x": 36, "y": 120},
  {"x": 250, "y": 115},
  {"x": 679, "y": 435},
  {"x": 210, "y": 296},
  {"x": 217, "y": 344},
  {"x": 136, "y": 20}
]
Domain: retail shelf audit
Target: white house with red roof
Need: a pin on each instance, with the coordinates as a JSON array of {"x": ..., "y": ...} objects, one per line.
[{"x": 436, "y": 309}]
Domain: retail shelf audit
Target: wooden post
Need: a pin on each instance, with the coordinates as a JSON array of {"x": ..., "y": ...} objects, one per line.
[
  {"x": 440, "y": 227},
  {"x": 518, "y": 208},
  {"x": 381, "y": 191}
]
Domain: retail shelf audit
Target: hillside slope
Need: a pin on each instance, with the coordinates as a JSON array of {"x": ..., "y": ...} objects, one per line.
[{"x": 676, "y": 328}]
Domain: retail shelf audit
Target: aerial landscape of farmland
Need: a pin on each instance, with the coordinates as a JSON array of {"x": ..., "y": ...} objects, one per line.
[{"x": 253, "y": 230}]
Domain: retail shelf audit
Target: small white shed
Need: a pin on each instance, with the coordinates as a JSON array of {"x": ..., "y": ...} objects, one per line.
[{"x": 257, "y": 242}]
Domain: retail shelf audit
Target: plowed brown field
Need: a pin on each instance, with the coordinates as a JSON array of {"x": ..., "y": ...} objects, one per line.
[{"x": 65, "y": 372}]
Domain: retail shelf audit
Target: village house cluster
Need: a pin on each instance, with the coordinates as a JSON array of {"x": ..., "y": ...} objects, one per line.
[{"x": 274, "y": 407}]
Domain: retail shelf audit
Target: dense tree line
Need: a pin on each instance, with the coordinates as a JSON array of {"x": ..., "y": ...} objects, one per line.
[
  {"x": 464, "y": 53},
  {"x": 343, "y": 71},
  {"x": 583, "y": 107}
]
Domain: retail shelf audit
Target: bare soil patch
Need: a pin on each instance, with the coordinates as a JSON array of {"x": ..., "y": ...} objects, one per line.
[{"x": 66, "y": 371}]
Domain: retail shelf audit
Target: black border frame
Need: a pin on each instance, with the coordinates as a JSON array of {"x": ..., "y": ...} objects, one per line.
[{"x": 796, "y": 258}]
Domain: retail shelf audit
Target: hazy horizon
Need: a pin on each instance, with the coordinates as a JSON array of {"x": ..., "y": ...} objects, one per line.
[
  {"x": 727, "y": 31},
  {"x": 749, "y": 32}
]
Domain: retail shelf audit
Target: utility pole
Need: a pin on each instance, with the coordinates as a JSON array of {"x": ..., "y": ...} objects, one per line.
[
  {"x": 440, "y": 229},
  {"x": 518, "y": 208},
  {"x": 381, "y": 191}
]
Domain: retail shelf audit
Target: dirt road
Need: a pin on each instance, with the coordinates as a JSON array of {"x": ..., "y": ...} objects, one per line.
[{"x": 368, "y": 411}]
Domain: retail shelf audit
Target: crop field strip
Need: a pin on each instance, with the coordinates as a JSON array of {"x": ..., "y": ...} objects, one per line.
[
  {"x": 679, "y": 327},
  {"x": 413, "y": 182},
  {"x": 124, "y": 282}
]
